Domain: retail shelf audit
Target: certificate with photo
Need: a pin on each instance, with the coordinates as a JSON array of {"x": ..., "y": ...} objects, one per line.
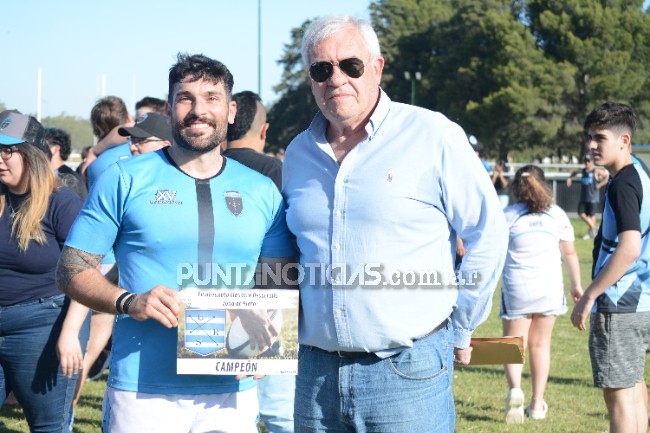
[{"x": 238, "y": 332}]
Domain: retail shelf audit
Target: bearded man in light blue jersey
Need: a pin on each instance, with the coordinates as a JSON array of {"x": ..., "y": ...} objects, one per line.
[
  {"x": 159, "y": 210},
  {"x": 376, "y": 192}
]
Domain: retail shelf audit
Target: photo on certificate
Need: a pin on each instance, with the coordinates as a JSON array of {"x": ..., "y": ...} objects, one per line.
[{"x": 238, "y": 331}]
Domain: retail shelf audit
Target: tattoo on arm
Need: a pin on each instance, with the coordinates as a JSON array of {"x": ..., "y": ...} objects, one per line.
[{"x": 72, "y": 262}]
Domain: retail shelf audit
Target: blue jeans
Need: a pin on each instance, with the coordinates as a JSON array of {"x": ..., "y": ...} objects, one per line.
[
  {"x": 29, "y": 365},
  {"x": 408, "y": 392},
  {"x": 275, "y": 395}
]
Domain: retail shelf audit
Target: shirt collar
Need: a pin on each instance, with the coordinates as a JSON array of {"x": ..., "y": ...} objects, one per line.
[{"x": 319, "y": 124}]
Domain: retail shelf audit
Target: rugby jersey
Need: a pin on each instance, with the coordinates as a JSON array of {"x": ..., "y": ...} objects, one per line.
[
  {"x": 625, "y": 208},
  {"x": 158, "y": 218}
]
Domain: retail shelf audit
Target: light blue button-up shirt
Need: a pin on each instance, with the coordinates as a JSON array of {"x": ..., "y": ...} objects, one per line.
[{"x": 377, "y": 233}]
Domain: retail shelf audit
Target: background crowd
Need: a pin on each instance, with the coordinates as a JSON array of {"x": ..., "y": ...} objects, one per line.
[{"x": 317, "y": 206}]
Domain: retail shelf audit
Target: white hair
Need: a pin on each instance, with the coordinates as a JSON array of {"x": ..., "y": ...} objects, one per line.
[{"x": 327, "y": 26}]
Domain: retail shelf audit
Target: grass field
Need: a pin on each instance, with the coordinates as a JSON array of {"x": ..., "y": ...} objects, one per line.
[{"x": 574, "y": 405}]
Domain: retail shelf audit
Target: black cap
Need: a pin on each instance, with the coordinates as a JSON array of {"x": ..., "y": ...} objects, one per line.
[
  {"x": 149, "y": 125},
  {"x": 18, "y": 128}
]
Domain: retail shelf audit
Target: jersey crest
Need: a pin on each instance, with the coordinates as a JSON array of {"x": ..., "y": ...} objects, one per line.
[{"x": 234, "y": 202}]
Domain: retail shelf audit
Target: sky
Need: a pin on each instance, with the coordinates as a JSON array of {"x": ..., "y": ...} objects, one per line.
[{"x": 126, "y": 47}]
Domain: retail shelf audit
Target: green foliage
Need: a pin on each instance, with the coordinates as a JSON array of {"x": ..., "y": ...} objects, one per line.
[
  {"x": 79, "y": 129},
  {"x": 607, "y": 43},
  {"x": 520, "y": 75},
  {"x": 406, "y": 29},
  {"x": 296, "y": 107}
]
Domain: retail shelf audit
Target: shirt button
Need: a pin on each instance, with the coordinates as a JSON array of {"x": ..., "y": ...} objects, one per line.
[
  {"x": 339, "y": 312},
  {"x": 339, "y": 213},
  {"x": 337, "y": 247}
]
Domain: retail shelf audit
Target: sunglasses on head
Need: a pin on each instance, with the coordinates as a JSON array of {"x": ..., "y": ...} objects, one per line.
[{"x": 322, "y": 71}]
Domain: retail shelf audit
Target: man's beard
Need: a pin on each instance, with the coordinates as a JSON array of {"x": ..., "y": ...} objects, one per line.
[{"x": 203, "y": 143}]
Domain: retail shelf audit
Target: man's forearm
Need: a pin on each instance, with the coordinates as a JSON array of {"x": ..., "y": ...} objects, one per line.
[
  {"x": 77, "y": 276},
  {"x": 112, "y": 139}
]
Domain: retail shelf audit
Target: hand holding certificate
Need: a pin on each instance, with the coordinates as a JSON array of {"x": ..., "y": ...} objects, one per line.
[{"x": 238, "y": 332}]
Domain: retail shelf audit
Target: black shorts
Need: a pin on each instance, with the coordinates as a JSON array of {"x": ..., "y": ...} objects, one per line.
[{"x": 588, "y": 208}]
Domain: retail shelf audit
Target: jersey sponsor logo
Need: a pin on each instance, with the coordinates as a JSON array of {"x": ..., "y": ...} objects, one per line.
[
  {"x": 234, "y": 202},
  {"x": 205, "y": 331},
  {"x": 165, "y": 196}
]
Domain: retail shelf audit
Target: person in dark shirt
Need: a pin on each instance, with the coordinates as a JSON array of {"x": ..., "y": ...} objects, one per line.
[
  {"x": 247, "y": 137},
  {"x": 591, "y": 181},
  {"x": 59, "y": 146},
  {"x": 36, "y": 213},
  {"x": 500, "y": 182}
]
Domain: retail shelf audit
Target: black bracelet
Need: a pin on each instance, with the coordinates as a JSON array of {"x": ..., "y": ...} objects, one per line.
[
  {"x": 127, "y": 303},
  {"x": 119, "y": 301}
]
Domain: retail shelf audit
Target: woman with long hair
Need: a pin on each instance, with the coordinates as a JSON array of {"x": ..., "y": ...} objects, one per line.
[
  {"x": 40, "y": 328},
  {"x": 532, "y": 294}
]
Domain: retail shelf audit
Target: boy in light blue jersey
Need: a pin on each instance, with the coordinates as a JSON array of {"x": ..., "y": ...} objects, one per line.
[
  {"x": 619, "y": 295},
  {"x": 183, "y": 204}
]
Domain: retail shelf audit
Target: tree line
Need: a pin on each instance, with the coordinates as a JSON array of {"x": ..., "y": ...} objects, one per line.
[
  {"x": 81, "y": 133},
  {"x": 519, "y": 75}
]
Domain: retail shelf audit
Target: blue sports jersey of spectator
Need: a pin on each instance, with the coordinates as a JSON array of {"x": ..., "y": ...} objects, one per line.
[
  {"x": 94, "y": 170},
  {"x": 103, "y": 161}
]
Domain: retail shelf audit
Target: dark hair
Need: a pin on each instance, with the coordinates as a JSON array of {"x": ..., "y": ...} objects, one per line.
[
  {"x": 613, "y": 116},
  {"x": 198, "y": 67},
  {"x": 58, "y": 137},
  {"x": 84, "y": 152},
  {"x": 157, "y": 105},
  {"x": 529, "y": 187},
  {"x": 246, "y": 110},
  {"x": 108, "y": 113}
]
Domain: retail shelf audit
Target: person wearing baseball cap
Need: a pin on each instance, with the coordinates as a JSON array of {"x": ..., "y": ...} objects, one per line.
[
  {"x": 36, "y": 213},
  {"x": 151, "y": 132},
  {"x": 17, "y": 128}
]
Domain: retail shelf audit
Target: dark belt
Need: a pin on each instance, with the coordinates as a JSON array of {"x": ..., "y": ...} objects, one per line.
[{"x": 357, "y": 355}]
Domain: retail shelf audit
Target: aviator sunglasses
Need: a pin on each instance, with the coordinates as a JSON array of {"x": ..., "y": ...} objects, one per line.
[{"x": 322, "y": 71}]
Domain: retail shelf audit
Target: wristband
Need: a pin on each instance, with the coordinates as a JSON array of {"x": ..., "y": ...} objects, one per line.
[
  {"x": 119, "y": 301},
  {"x": 127, "y": 303}
]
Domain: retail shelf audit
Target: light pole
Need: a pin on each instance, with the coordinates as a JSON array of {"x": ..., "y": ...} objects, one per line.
[
  {"x": 417, "y": 76},
  {"x": 259, "y": 48}
]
